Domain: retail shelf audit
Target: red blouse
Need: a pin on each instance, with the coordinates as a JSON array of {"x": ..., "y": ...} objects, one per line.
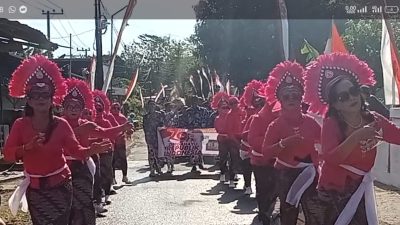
[
  {"x": 233, "y": 125},
  {"x": 258, "y": 128},
  {"x": 219, "y": 125},
  {"x": 332, "y": 176},
  {"x": 48, "y": 158},
  {"x": 280, "y": 129},
  {"x": 121, "y": 119},
  {"x": 111, "y": 119}
]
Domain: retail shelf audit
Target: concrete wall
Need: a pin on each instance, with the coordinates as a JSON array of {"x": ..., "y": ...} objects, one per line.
[{"x": 387, "y": 163}]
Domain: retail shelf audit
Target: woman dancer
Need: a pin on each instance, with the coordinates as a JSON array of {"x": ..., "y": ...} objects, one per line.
[
  {"x": 291, "y": 139},
  {"x": 40, "y": 140},
  {"x": 79, "y": 97},
  {"x": 220, "y": 103},
  {"x": 254, "y": 101},
  {"x": 350, "y": 134}
]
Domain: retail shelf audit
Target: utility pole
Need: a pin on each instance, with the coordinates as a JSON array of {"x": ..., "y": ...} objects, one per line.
[
  {"x": 48, "y": 13},
  {"x": 70, "y": 55},
  {"x": 99, "y": 77},
  {"x": 83, "y": 50}
]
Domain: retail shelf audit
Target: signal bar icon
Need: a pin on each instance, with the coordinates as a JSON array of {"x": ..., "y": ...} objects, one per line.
[
  {"x": 377, "y": 9},
  {"x": 363, "y": 10}
]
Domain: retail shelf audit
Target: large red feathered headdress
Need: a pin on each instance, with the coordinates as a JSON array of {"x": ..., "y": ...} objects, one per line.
[
  {"x": 325, "y": 70},
  {"x": 284, "y": 74},
  {"x": 37, "y": 71},
  {"x": 253, "y": 89},
  {"x": 78, "y": 90},
  {"x": 217, "y": 98},
  {"x": 101, "y": 98}
]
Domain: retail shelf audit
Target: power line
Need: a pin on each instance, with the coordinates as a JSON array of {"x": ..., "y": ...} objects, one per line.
[
  {"x": 73, "y": 31},
  {"x": 65, "y": 30},
  {"x": 58, "y": 32},
  {"x": 75, "y": 35}
]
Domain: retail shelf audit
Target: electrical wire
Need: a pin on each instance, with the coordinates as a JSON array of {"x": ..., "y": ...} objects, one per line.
[
  {"x": 74, "y": 32},
  {"x": 58, "y": 32},
  {"x": 75, "y": 35},
  {"x": 65, "y": 30}
]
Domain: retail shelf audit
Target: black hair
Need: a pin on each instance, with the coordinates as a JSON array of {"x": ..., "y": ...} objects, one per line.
[
  {"x": 334, "y": 113},
  {"x": 28, "y": 112}
]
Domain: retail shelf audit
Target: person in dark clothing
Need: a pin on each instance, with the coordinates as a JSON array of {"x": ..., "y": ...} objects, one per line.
[{"x": 373, "y": 102}]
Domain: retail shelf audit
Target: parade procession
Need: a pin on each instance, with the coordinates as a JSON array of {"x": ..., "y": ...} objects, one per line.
[{"x": 251, "y": 112}]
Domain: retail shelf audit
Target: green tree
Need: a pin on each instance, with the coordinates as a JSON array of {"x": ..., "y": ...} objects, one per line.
[
  {"x": 161, "y": 60},
  {"x": 363, "y": 38}
]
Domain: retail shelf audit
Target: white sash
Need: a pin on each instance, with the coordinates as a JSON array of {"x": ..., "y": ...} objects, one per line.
[
  {"x": 365, "y": 189},
  {"x": 302, "y": 182},
  {"x": 89, "y": 162},
  {"x": 19, "y": 198},
  {"x": 256, "y": 153},
  {"x": 245, "y": 144}
]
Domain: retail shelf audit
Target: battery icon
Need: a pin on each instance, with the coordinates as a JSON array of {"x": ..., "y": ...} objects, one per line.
[{"x": 391, "y": 9}]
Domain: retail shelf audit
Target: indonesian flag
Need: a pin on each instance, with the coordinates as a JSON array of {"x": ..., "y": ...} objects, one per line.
[
  {"x": 92, "y": 72},
  {"x": 284, "y": 28},
  {"x": 390, "y": 65},
  {"x": 132, "y": 84},
  {"x": 162, "y": 91},
  {"x": 110, "y": 70},
  {"x": 141, "y": 97},
  {"x": 228, "y": 87},
  {"x": 335, "y": 43},
  {"x": 218, "y": 82}
]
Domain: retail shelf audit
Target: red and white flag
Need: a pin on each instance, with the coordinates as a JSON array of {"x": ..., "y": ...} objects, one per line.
[
  {"x": 284, "y": 28},
  {"x": 335, "y": 43},
  {"x": 141, "y": 97},
  {"x": 228, "y": 87},
  {"x": 218, "y": 82},
  {"x": 161, "y": 92},
  {"x": 92, "y": 72},
  {"x": 110, "y": 70},
  {"x": 132, "y": 85},
  {"x": 390, "y": 65}
]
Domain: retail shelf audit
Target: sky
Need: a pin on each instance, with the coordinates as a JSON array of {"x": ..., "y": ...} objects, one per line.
[
  {"x": 83, "y": 35},
  {"x": 173, "y": 18}
]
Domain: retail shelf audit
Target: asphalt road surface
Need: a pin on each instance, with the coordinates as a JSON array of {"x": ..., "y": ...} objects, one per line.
[{"x": 181, "y": 198}]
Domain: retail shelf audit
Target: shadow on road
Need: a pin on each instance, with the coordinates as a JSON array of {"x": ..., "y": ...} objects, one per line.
[
  {"x": 245, "y": 205},
  {"x": 168, "y": 177}
]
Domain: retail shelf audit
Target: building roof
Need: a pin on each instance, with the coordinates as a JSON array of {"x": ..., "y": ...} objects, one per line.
[{"x": 13, "y": 35}]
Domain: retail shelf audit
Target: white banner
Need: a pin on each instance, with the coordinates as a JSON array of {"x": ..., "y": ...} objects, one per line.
[{"x": 183, "y": 142}]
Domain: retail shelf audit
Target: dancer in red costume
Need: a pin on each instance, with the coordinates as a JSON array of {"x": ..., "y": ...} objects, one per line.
[
  {"x": 220, "y": 103},
  {"x": 233, "y": 129},
  {"x": 291, "y": 139},
  {"x": 79, "y": 97},
  {"x": 120, "y": 160},
  {"x": 41, "y": 140},
  {"x": 102, "y": 106},
  {"x": 350, "y": 134},
  {"x": 254, "y": 101}
]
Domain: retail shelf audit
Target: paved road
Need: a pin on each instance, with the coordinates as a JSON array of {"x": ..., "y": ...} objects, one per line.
[{"x": 183, "y": 198}]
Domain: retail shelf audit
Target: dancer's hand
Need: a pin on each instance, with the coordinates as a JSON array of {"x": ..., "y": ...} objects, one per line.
[
  {"x": 100, "y": 147},
  {"x": 292, "y": 140},
  {"x": 367, "y": 132},
  {"x": 36, "y": 142}
]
